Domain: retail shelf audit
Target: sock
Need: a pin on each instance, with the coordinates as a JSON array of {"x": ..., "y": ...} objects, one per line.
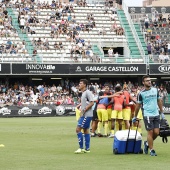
[
  {"x": 99, "y": 127},
  {"x": 87, "y": 141},
  {"x": 147, "y": 143},
  {"x": 134, "y": 127},
  {"x": 105, "y": 129},
  {"x": 109, "y": 126},
  {"x": 140, "y": 130},
  {"x": 117, "y": 126},
  {"x": 80, "y": 139},
  {"x": 123, "y": 125},
  {"x": 112, "y": 132}
]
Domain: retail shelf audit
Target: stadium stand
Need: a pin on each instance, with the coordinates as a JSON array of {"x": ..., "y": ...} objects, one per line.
[
  {"x": 156, "y": 29},
  {"x": 61, "y": 32},
  {"x": 12, "y": 48}
]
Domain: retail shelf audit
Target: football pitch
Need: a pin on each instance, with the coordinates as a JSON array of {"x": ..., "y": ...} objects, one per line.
[{"x": 49, "y": 143}]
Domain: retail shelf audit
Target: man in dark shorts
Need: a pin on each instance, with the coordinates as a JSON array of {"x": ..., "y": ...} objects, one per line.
[
  {"x": 94, "y": 118},
  {"x": 149, "y": 99},
  {"x": 85, "y": 117}
]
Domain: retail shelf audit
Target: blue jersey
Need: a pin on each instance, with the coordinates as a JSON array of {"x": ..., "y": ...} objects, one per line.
[
  {"x": 104, "y": 101},
  {"x": 149, "y": 100}
]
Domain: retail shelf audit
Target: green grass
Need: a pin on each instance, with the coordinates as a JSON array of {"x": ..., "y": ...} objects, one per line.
[{"x": 49, "y": 144}]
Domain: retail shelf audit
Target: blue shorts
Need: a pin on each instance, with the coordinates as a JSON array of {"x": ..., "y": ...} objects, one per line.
[{"x": 84, "y": 122}]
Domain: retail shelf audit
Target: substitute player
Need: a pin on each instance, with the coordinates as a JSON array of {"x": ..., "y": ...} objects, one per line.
[
  {"x": 102, "y": 115},
  {"x": 118, "y": 102},
  {"x": 149, "y": 100},
  {"x": 85, "y": 117},
  {"x": 94, "y": 118},
  {"x": 127, "y": 110}
]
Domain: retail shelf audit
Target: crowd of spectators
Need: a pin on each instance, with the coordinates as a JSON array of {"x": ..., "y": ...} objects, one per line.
[
  {"x": 62, "y": 21},
  {"x": 157, "y": 29},
  {"x": 67, "y": 92},
  {"x": 28, "y": 20},
  {"x": 7, "y": 31}
]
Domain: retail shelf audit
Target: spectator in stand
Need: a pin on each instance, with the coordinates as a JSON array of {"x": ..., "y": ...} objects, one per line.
[
  {"x": 157, "y": 49},
  {"x": 114, "y": 27},
  {"x": 116, "y": 55},
  {"x": 106, "y": 9},
  {"x": 112, "y": 17},
  {"x": 22, "y": 23},
  {"x": 110, "y": 52},
  {"x": 146, "y": 21},
  {"x": 113, "y": 10},
  {"x": 102, "y": 31},
  {"x": 149, "y": 48},
  {"x": 163, "y": 94},
  {"x": 168, "y": 45},
  {"x": 161, "y": 58},
  {"x": 34, "y": 55},
  {"x": 168, "y": 19},
  {"x": 166, "y": 58}
]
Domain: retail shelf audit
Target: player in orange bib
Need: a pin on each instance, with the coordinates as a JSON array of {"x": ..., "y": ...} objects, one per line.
[
  {"x": 127, "y": 108},
  {"x": 118, "y": 102}
]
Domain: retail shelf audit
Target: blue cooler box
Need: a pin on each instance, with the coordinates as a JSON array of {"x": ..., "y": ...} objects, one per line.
[{"x": 120, "y": 142}]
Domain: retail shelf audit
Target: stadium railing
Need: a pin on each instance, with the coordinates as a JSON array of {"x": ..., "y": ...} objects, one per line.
[{"x": 125, "y": 8}]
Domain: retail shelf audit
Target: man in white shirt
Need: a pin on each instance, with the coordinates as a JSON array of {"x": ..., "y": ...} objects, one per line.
[
  {"x": 59, "y": 88},
  {"x": 168, "y": 47},
  {"x": 22, "y": 23},
  {"x": 110, "y": 52},
  {"x": 166, "y": 58},
  {"x": 161, "y": 58},
  {"x": 146, "y": 22},
  {"x": 116, "y": 54}
]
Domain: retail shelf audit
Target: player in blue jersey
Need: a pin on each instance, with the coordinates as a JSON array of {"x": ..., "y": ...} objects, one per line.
[
  {"x": 85, "y": 117},
  {"x": 150, "y": 101}
]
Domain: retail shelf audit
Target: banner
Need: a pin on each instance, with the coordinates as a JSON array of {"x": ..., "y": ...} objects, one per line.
[
  {"x": 78, "y": 69},
  {"x": 35, "y": 111},
  {"x": 159, "y": 69},
  {"x": 148, "y": 10},
  {"x": 5, "y": 69},
  {"x": 113, "y": 69},
  {"x": 40, "y": 69},
  {"x": 166, "y": 108},
  {"x": 45, "y": 111}
]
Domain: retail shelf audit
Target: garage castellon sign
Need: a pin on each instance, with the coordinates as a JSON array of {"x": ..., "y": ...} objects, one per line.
[
  {"x": 131, "y": 69},
  {"x": 76, "y": 69}
]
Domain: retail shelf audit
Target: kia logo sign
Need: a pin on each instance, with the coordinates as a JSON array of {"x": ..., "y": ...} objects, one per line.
[{"x": 164, "y": 68}]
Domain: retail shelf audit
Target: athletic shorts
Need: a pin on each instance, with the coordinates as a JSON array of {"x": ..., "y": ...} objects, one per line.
[
  {"x": 117, "y": 114},
  {"x": 126, "y": 114},
  {"x": 102, "y": 115},
  {"x": 84, "y": 122},
  {"x": 140, "y": 115},
  {"x": 94, "y": 118},
  {"x": 152, "y": 122},
  {"x": 77, "y": 114},
  {"x": 109, "y": 111}
]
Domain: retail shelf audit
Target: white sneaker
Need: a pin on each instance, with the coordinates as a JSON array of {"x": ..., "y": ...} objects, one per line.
[
  {"x": 80, "y": 151},
  {"x": 111, "y": 136}
]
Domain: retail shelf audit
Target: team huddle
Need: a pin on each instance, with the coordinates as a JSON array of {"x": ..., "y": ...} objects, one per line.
[{"x": 108, "y": 112}]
